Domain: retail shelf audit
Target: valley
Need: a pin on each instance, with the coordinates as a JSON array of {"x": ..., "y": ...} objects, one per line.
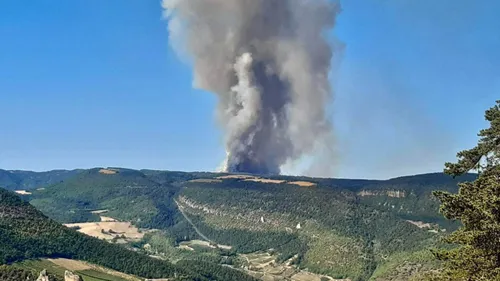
[{"x": 271, "y": 228}]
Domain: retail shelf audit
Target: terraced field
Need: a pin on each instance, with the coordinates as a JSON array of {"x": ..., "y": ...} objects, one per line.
[
  {"x": 265, "y": 267},
  {"x": 87, "y": 271}
]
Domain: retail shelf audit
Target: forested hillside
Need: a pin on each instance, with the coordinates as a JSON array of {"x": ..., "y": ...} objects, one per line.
[
  {"x": 27, "y": 234},
  {"x": 329, "y": 232},
  {"x": 126, "y": 191},
  {"x": 128, "y": 195},
  {"x": 411, "y": 197},
  {"x": 27, "y": 180},
  {"x": 356, "y": 229}
]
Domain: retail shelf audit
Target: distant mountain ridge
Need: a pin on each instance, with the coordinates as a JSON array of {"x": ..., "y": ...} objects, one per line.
[
  {"x": 25, "y": 179},
  {"x": 28, "y": 180},
  {"x": 415, "y": 200}
]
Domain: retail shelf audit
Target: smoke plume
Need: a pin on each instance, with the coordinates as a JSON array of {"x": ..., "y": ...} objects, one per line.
[{"x": 268, "y": 63}]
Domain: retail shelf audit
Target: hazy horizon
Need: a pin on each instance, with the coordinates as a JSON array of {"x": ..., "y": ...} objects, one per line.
[
  {"x": 98, "y": 82},
  {"x": 215, "y": 172}
]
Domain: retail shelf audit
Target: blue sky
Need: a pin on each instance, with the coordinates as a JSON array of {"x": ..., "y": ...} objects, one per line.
[{"x": 87, "y": 83}]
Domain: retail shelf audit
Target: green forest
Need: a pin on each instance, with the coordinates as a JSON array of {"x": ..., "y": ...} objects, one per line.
[
  {"x": 28, "y": 234},
  {"x": 444, "y": 223}
]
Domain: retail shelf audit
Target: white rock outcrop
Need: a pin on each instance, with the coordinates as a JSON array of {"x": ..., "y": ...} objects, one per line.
[
  {"x": 70, "y": 276},
  {"x": 43, "y": 276}
]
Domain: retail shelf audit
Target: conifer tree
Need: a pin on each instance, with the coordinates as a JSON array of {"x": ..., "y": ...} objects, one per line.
[{"x": 475, "y": 254}]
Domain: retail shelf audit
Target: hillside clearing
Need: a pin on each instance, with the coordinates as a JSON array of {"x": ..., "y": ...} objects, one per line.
[
  {"x": 107, "y": 219},
  {"x": 235, "y": 177},
  {"x": 265, "y": 267},
  {"x": 108, "y": 171},
  {"x": 23, "y": 192},
  {"x": 262, "y": 180},
  {"x": 420, "y": 224},
  {"x": 205, "y": 180},
  {"x": 302, "y": 183},
  {"x": 109, "y": 230},
  {"x": 72, "y": 265},
  {"x": 307, "y": 276}
]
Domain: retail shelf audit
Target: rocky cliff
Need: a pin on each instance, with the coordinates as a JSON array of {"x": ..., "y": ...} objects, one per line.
[{"x": 70, "y": 276}]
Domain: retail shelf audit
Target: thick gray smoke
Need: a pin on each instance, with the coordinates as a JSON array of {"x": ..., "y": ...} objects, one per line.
[{"x": 268, "y": 62}]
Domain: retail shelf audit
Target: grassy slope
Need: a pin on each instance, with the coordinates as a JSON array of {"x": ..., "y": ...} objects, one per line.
[{"x": 57, "y": 270}]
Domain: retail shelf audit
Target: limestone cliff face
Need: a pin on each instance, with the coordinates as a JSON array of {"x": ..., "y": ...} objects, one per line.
[
  {"x": 70, "y": 276},
  {"x": 389, "y": 193}
]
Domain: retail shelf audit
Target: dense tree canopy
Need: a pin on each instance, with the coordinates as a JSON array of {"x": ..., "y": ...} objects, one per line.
[
  {"x": 25, "y": 233},
  {"x": 477, "y": 207}
]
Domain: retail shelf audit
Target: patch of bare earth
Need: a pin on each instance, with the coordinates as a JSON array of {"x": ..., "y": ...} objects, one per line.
[
  {"x": 235, "y": 177},
  {"x": 115, "y": 273},
  {"x": 307, "y": 276},
  {"x": 205, "y": 180},
  {"x": 264, "y": 266},
  {"x": 250, "y": 178},
  {"x": 420, "y": 224},
  {"x": 188, "y": 245},
  {"x": 72, "y": 265},
  {"x": 76, "y": 265},
  {"x": 107, "y": 219},
  {"x": 303, "y": 183},
  {"x": 201, "y": 243},
  {"x": 23, "y": 192},
  {"x": 224, "y": 247},
  {"x": 261, "y": 180},
  {"x": 108, "y": 171},
  {"x": 108, "y": 229}
]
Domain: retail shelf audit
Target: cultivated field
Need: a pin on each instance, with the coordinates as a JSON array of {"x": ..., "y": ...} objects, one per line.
[
  {"x": 109, "y": 229},
  {"x": 264, "y": 267},
  {"x": 190, "y": 245},
  {"x": 261, "y": 180},
  {"x": 254, "y": 179}
]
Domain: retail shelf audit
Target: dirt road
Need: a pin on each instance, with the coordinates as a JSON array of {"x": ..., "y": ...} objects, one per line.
[{"x": 192, "y": 224}]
